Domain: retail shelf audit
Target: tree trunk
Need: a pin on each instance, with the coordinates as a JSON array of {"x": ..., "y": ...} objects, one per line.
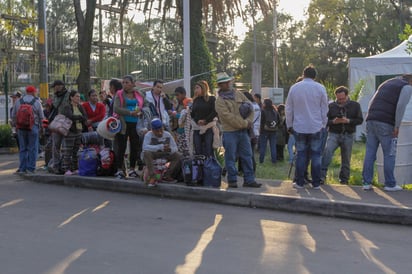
[{"x": 84, "y": 43}]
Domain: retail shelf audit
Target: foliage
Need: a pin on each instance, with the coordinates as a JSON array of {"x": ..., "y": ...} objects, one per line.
[
  {"x": 354, "y": 95},
  {"x": 6, "y": 138},
  {"x": 330, "y": 89},
  {"x": 407, "y": 31}
]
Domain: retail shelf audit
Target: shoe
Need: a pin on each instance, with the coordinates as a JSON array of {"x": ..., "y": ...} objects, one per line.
[
  {"x": 232, "y": 184},
  {"x": 119, "y": 175},
  {"x": 254, "y": 184},
  {"x": 20, "y": 172},
  {"x": 152, "y": 183},
  {"x": 297, "y": 186},
  {"x": 169, "y": 180},
  {"x": 133, "y": 173},
  {"x": 68, "y": 173},
  {"x": 393, "y": 188},
  {"x": 343, "y": 182},
  {"x": 316, "y": 187},
  {"x": 31, "y": 172},
  {"x": 367, "y": 187}
]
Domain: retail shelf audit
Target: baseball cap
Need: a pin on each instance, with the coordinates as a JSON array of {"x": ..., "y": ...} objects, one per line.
[{"x": 156, "y": 123}]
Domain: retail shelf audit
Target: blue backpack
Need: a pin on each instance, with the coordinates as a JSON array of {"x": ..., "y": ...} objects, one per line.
[{"x": 88, "y": 162}]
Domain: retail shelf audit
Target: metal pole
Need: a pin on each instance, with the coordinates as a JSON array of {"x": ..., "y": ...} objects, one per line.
[
  {"x": 100, "y": 41},
  {"x": 275, "y": 50},
  {"x": 6, "y": 93},
  {"x": 186, "y": 46},
  {"x": 43, "y": 55}
]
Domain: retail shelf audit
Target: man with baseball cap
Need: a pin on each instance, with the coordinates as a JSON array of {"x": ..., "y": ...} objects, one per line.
[
  {"x": 160, "y": 144},
  {"x": 28, "y": 137}
]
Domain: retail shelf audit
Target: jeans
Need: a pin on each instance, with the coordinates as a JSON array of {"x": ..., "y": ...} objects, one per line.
[
  {"x": 291, "y": 144},
  {"x": 237, "y": 144},
  {"x": 308, "y": 143},
  {"x": 379, "y": 133},
  {"x": 29, "y": 148},
  {"x": 263, "y": 140},
  {"x": 203, "y": 143},
  {"x": 344, "y": 141}
]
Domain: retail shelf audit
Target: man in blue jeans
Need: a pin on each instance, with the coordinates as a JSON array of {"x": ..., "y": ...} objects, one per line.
[
  {"x": 343, "y": 117},
  {"x": 235, "y": 113},
  {"x": 306, "y": 118},
  {"x": 384, "y": 117}
]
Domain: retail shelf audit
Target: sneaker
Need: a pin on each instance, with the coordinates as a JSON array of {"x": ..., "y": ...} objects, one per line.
[
  {"x": 316, "y": 187},
  {"x": 367, "y": 187},
  {"x": 119, "y": 175},
  {"x": 20, "y": 172},
  {"x": 394, "y": 188},
  {"x": 30, "y": 172},
  {"x": 168, "y": 179},
  {"x": 297, "y": 186},
  {"x": 133, "y": 173},
  {"x": 254, "y": 184},
  {"x": 152, "y": 183},
  {"x": 68, "y": 173}
]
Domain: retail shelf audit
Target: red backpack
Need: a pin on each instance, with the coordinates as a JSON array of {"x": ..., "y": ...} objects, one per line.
[{"x": 25, "y": 115}]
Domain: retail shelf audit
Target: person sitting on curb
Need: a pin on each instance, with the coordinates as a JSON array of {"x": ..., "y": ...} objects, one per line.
[{"x": 159, "y": 144}]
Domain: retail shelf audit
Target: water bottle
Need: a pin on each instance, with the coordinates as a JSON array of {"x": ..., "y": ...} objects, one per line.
[{"x": 394, "y": 143}]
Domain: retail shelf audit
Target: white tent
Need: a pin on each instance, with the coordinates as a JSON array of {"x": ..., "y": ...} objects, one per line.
[{"x": 396, "y": 61}]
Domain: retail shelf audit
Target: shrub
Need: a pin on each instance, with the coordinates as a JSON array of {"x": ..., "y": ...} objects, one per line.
[{"x": 6, "y": 137}]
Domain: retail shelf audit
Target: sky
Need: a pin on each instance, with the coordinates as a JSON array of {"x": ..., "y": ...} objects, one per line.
[{"x": 296, "y": 8}]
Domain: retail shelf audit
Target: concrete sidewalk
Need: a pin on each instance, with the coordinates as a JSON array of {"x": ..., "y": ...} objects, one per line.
[{"x": 332, "y": 200}]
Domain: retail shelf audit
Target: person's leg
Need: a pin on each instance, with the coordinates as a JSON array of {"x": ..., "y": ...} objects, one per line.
[
  {"x": 263, "y": 139},
  {"x": 208, "y": 142},
  {"x": 316, "y": 143},
  {"x": 67, "y": 151},
  {"x": 57, "y": 140},
  {"x": 330, "y": 148},
  {"x": 175, "y": 161},
  {"x": 301, "y": 150},
  {"x": 197, "y": 142},
  {"x": 372, "y": 143},
  {"x": 230, "y": 143},
  {"x": 272, "y": 145},
  {"x": 385, "y": 135},
  {"x": 76, "y": 145},
  {"x": 32, "y": 148},
  {"x": 291, "y": 144},
  {"x": 245, "y": 156},
  {"x": 119, "y": 147},
  {"x": 23, "y": 149},
  {"x": 134, "y": 143},
  {"x": 346, "y": 153}
]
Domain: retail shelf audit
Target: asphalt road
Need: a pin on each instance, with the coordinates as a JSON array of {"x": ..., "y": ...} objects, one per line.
[{"x": 56, "y": 229}]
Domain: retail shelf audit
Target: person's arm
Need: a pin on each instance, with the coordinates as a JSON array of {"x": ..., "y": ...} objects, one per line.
[
  {"x": 402, "y": 103},
  {"x": 147, "y": 146},
  {"x": 358, "y": 117}
]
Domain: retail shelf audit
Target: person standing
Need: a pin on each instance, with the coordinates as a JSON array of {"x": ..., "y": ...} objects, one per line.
[
  {"x": 385, "y": 113},
  {"x": 28, "y": 137},
  {"x": 236, "y": 114},
  {"x": 182, "y": 103},
  {"x": 95, "y": 110},
  {"x": 203, "y": 114},
  {"x": 343, "y": 117},
  {"x": 269, "y": 126},
  {"x": 282, "y": 134},
  {"x": 160, "y": 102},
  {"x": 128, "y": 105},
  {"x": 71, "y": 143},
  {"x": 306, "y": 117},
  {"x": 60, "y": 101},
  {"x": 14, "y": 97}
]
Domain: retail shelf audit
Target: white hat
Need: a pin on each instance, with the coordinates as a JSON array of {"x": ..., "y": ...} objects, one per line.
[{"x": 223, "y": 77}]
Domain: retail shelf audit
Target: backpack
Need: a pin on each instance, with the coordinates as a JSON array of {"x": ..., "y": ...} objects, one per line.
[
  {"x": 271, "y": 120},
  {"x": 105, "y": 164},
  {"x": 88, "y": 162},
  {"x": 25, "y": 115}
]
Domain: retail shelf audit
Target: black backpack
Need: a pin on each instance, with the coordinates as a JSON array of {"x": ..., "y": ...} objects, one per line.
[{"x": 271, "y": 120}]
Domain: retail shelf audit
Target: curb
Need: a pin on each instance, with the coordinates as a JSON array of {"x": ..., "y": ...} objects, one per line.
[{"x": 322, "y": 207}]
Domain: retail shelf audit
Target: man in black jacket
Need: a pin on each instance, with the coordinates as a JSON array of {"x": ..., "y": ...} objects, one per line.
[{"x": 343, "y": 117}]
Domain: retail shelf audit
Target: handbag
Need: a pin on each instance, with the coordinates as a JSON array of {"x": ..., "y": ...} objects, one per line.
[
  {"x": 60, "y": 124},
  {"x": 212, "y": 173}
]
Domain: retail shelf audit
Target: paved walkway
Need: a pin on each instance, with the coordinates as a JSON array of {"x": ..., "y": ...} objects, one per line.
[{"x": 332, "y": 200}]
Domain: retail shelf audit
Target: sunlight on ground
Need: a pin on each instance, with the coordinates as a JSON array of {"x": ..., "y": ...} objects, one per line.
[
  {"x": 367, "y": 248},
  {"x": 385, "y": 196},
  {"x": 11, "y": 203},
  {"x": 194, "y": 258},
  {"x": 71, "y": 218},
  {"x": 62, "y": 266}
]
